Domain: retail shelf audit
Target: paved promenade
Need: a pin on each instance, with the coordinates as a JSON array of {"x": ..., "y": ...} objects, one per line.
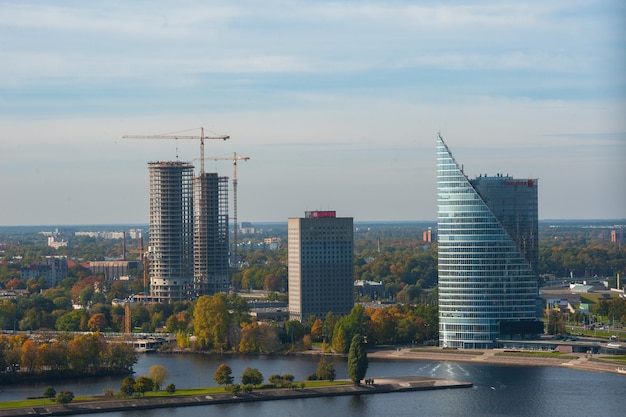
[
  {"x": 380, "y": 386},
  {"x": 581, "y": 360}
]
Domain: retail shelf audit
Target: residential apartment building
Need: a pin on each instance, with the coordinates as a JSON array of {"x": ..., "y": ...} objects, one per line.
[{"x": 53, "y": 270}]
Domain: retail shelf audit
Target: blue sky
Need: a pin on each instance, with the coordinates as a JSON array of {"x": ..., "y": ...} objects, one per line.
[{"x": 337, "y": 104}]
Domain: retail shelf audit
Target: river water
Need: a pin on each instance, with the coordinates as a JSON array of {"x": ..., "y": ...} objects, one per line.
[{"x": 498, "y": 390}]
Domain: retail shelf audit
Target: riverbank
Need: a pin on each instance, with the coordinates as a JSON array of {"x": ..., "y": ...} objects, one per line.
[
  {"x": 493, "y": 356},
  {"x": 380, "y": 386}
]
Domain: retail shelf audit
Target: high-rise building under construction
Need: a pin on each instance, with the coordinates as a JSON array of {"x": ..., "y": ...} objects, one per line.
[
  {"x": 210, "y": 236},
  {"x": 188, "y": 249},
  {"x": 171, "y": 231},
  {"x": 487, "y": 250}
]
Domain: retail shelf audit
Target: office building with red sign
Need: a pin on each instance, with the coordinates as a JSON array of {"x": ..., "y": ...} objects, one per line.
[{"x": 321, "y": 266}]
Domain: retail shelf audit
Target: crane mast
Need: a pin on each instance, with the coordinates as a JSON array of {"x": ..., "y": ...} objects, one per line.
[
  {"x": 234, "y": 158},
  {"x": 176, "y": 135}
]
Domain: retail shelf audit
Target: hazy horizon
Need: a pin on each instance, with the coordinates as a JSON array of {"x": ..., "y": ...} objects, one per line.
[{"x": 356, "y": 221}]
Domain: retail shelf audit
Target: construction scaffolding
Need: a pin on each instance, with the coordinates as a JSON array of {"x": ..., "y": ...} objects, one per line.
[
  {"x": 171, "y": 231},
  {"x": 211, "y": 242}
]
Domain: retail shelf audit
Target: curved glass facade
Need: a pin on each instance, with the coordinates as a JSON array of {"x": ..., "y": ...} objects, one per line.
[{"x": 487, "y": 251}]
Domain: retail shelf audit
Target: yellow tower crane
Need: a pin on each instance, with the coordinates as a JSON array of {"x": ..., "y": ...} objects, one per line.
[
  {"x": 177, "y": 135},
  {"x": 127, "y": 319},
  {"x": 234, "y": 158}
]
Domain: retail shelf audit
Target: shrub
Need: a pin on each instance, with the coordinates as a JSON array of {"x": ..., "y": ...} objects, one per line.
[
  {"x": 280, "y": 381},
  {"x": 170, "y": 389},
  {"x": 275, "y": 379},
  {"x": 233, "y": 389},
  {"x": 64, "y": 397},
  {"x": 49, "y": 392}
]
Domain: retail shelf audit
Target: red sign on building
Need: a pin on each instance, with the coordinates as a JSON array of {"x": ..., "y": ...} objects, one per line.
[{"x": 320, "y": 214}]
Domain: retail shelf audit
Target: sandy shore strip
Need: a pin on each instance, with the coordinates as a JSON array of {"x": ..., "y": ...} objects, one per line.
[{"x": 570, "y": 360}]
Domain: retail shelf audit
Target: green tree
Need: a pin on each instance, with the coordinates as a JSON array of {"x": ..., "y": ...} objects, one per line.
[
  {"x": 170, "y": 389},
  {"x": 223, "y": 375},
  {"x": 555, "y": 325},
  {"x": 119, "y": 356},
  {"x": 293, "y": 332},
  {"x": 329, "y": 326},
  {"x": 158, "y": 374},
  {"x": 84, "y": 352},
  {"x": 325, "y": 370},
  {"x": 251, "y": 376},
  {"x": 64, "y": 397},
  {"x": 127, "y": 388},
  {"x": 143, "y": 384},
  {"x": 357, "y": 360},
  {"x": 340, "y": 339},
  {"x": 117, "y": 290},
  {"x": 8, "y": 313},
  {"x": 49, "y": 392},
  {"x": 249, "y": 338},
  {"x": 267, "y": 338},
  {"x": 32, "y": 320},
  {"x": 211, "y": 320},
  {"x": 70, "y": 322}
]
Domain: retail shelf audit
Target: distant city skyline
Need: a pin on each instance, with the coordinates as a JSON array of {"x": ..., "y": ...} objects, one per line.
[{"x": 337, "y": 104}]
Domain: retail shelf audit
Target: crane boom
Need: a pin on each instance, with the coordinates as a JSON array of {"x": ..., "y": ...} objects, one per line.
[{"x": 201, "y": 137}]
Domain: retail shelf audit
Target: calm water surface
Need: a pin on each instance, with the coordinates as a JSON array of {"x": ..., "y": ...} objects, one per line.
[{"x": 498, "y": 390}]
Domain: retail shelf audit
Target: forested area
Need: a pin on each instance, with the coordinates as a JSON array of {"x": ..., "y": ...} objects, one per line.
[{"x": 63, "y": 355}]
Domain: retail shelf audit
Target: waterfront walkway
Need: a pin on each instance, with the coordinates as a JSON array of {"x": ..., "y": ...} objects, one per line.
[
  {"x": 380, "y": 386},
  {"x": 571, "y": 360}
]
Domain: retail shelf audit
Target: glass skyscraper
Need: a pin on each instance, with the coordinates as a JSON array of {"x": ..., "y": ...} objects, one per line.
[{"x": 487, "y": 230}]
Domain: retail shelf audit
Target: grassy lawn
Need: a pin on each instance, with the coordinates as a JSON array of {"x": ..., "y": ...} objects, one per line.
[
  {"x": 26, "y": 403},
  {"x": 43, "y": 401},
  {"x": 616, "y": 359},
  {"x": 156, "y": 394}
]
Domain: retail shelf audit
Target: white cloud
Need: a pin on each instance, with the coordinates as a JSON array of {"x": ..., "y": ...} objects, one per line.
[{"x": 337, "y": 102}]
